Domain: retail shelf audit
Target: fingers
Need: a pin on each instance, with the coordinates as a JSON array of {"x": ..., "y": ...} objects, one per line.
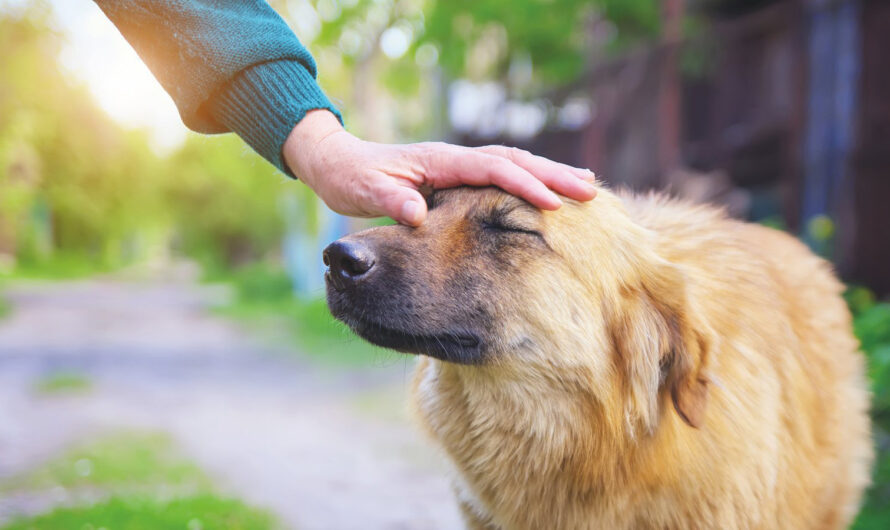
[
  {"x": 516, "y": 153},
  {"x": 405, "y": 205},
  {"x": 453, "y": 166},
  {"x": 569, "y": 181},
  {"x": 387, "y": 178}
]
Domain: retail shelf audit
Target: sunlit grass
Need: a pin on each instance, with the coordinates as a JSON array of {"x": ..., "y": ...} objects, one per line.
[
  {"x": 5, "y": 308},
  {"x": 62, "y": 383},
  {"x": 197, "y": 512},
  {"x": 115, "y": 462},
  {"x": 140, "y": 481},
  {"x": 58, "y": 266}
]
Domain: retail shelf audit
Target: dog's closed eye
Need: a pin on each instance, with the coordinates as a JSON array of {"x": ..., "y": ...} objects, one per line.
[
  {"x": 499, "y": 224},
  {"x": 502, "y": 224}
]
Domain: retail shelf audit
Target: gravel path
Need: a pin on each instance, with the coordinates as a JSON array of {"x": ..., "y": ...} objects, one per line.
[{"x": 322, "y": 449}]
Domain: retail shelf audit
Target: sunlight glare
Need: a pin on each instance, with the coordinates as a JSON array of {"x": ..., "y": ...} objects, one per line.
[{"x": 97, "y": 54}]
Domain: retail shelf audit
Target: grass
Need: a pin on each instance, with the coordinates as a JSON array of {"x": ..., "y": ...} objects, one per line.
[
  {"x": 264, "y": 297},
  {"x": 197, "y": 512},
  {"x": 5, "y": 308},
  {"x": 142, "y": 483},
  {"x": 119, "y": 461},
  {"x": 62, "y": 383},
  {"x": 59, "y": 266}
]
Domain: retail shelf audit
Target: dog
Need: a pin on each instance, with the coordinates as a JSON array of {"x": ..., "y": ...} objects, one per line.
[{"x": 629, "y": 362}]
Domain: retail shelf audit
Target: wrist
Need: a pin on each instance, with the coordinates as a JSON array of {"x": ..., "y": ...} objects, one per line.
[{"x": 301, "y": 144}]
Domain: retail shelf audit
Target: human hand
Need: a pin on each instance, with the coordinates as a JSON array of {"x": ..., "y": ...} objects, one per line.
[{"x": 367, "y": 179}]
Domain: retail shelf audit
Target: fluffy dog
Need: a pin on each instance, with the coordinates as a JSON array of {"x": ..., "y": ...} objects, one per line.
[{"x": 631, "y": 362}]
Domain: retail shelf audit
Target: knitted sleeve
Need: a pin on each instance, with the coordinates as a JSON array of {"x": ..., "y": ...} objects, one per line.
[{"x": 228, "y": 65}]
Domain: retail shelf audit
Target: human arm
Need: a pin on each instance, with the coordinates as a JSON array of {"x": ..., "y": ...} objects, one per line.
[{"x": 229, "y": 66}]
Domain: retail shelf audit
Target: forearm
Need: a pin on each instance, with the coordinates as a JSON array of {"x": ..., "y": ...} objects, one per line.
[
  {"x": 229, "y": 66},
  {"x": 301, "y": 143}
]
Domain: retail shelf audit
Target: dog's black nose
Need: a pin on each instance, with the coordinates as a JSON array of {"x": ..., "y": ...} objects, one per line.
[{"x": 348, "y": 262}]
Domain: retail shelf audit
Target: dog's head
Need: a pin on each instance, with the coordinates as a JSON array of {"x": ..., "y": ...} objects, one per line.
[{"x": 579, "y": 296}]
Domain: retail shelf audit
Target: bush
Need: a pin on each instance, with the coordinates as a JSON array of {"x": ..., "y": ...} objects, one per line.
[{"x": 871, "y": 323}]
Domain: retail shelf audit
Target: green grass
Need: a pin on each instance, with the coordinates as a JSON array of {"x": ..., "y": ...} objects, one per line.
[
  {"x": 59, "y": 266},
  {"x": 5, "y": 308},
  {"x": 144, "y": 483},
  {"x": 197, "y": 512},
  {"x": 62, "y": 383},
  {"x": 120, "y": 461},
  {"x": 264, "y": 298}
]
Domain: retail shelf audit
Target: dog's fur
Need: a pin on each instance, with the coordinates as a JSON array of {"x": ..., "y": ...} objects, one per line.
[{"x": 631, "y": 362}]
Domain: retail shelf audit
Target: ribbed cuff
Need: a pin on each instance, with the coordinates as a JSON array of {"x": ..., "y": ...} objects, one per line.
[{"x": 264, "y": 103}]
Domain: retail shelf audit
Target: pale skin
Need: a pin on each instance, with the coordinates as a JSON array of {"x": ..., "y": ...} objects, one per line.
[{"x": 367, "y": 179}]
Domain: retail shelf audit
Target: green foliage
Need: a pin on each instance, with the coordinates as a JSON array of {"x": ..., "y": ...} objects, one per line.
[
  {"x": 62, "y": 383},
  {"x": 820, "y": 235},
  {"x": 553, "y": 34},
  {"x": 224, "y": 202},
  {"x": 197, "y": 512},
  {"x": 774, "y": 221},
  {"x": 471, "y": 39},
  {"x": 872, "y": 327},
  {"x": 79, "y": 194},
  {"x": 871, "y": 323},
  {"x": 68, "y": 175}
]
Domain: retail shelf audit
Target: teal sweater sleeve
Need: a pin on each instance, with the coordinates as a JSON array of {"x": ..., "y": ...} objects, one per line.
[{"x": 229, "y": 66}]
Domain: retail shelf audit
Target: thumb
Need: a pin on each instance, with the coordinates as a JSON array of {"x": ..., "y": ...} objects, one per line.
[{"x": 405, "y": 205}]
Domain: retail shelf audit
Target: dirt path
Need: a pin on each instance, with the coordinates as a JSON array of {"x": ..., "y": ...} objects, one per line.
[{"x": 272, "y": 429}]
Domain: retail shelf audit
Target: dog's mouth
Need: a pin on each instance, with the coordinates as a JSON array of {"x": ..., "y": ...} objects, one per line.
[{"x": 461, "y": 347}]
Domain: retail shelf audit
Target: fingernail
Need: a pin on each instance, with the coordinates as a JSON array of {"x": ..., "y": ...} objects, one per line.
[
  {"x": 588, "y": 187},
  {"x": 411, "y": 213},
  {"x": 557, "y": 202},
  {"x": 589, "y": 175}
]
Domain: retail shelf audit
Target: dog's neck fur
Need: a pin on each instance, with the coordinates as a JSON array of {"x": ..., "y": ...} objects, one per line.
[{"x": 508, "y": 461}]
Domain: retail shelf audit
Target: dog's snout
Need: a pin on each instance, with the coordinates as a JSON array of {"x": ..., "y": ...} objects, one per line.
[{"x": 349, "y": 261}]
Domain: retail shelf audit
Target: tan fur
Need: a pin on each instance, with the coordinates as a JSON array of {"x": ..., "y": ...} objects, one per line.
[{"x": 686, "y": 371}]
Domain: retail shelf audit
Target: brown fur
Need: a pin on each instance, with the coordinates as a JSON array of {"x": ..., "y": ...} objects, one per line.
[{"x": 650, "y": 364}]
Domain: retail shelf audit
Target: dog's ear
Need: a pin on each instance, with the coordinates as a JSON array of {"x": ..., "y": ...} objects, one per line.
[{"x": 662, "y": 347}]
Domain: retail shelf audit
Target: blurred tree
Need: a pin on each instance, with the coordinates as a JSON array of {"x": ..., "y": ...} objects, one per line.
[
  {"x": 483, "y": 38},
  {"x": 74, "y": 183},
  {"x": 387, "y": 61},
  {"x": 67, "y": 169},
  {"x": 225, "y": 203}
]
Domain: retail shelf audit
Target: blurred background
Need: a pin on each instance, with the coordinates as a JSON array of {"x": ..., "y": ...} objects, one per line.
[{"x": 166, "y": 357}]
